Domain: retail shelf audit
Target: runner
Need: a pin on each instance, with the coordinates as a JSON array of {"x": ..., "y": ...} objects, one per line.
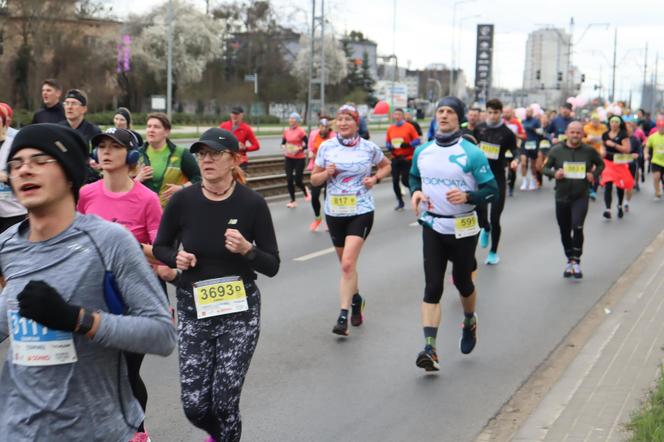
[
  {"x": 513, "y": 123},
  {"x": 164, "y": 167},
  {"x": 575, "y": 166},
  {"x": 450, "y": 177},
  {"x": 227, "y": 236},
  {"x": 544, "y": 145},
  {"x": 635, "y": 152},
  {"x": 495, "y": 140},
  {"x": 52, "y": 110},
  {"x": 559, "y": 124},
  {"x": 76, "y": 105},
  {"x": 243, "y": 133},
  {"x": 594, "y": 130},
  {"x": 323, "y": 133},
  {"x": 409, "y": 118},
  {"x": 616, "y": 171},
  {"x": 345, "y": 163},
  {"x": 294, "y": 143},
  {"x": 79, "y": 294},
  {"x": 529, "y": 151},
  {"x": 11, "y": 211},
  {"x": 401, "y": 140},
  {"x": 11, "y": 132},
  {"x": 654, "y": 153},
  {"x": 468, "y": 128},
  {"x": 122, "y": 120}
]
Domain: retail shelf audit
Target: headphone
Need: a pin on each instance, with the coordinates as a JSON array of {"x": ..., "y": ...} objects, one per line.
[{"x": 133, "y": 155}]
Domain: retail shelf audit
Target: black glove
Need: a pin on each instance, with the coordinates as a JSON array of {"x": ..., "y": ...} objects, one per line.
[{"x": 42, "y": 303}]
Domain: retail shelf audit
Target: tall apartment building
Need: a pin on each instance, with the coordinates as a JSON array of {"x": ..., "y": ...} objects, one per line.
[{"x": 547, "y": 56}]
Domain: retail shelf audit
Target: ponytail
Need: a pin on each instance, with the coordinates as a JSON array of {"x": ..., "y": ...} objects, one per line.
[{"x": 237, "y": 172}]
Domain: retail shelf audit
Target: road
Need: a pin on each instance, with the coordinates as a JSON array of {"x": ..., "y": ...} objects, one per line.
[
  {"x": 306, "y": 384},
  {"x": 271, "y": 144}
]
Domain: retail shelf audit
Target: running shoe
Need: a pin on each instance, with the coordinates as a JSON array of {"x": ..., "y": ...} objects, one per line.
[
  {"x": 524, "y": 184},
  {"x": 428, "y": 359},
  {"x": 592, "y": 194},
  {"x": 569, "y": 270},
  {"x": 606, "y": 214},
  {"x": 468, "y": 335},
  {"x": 484, "y": 238},
  {"x": 315, "y": 224},
  {"x": 532, "y": 184},
  {"x": 620, "y": 212},
  {"x": 576, "y": 268},
  {"x": 492, "y": 258},
  {"x": 626, "y": 207},
  {"x": 399, "y": 206},
  {"x": 357, "y": 313},
  {"x": 140, "y": 437},
  {"x": 341, "y": 327},
  {"x": 292, "y": 205}
]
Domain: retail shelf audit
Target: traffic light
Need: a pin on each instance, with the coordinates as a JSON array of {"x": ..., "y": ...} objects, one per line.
[
  {"x": 560, "y": 76},
  {"x": 583, "y": 78},
  {"x": 538, "y": 74}
]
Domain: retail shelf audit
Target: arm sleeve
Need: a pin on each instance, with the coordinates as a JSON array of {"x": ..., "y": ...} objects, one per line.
[
  {"x": 164, "y": 245},
  {"x": 511, "y": 145},
  {"x": 254, "y": 145},
  {"x": 550, "y": 165},
  {"x": 485, "y": 193},
  {"x": 414, "y": 179},
  {"x": 153, "y": 214},
  {"x": 266, "y": 260},
  {"x": 388, "y": 139},
  {"x": 305, "y": 142},
  {"x": 147, "y": 326},
  {"x": 283, "y": 140},
  {"x": 190, "y": 167},
  {"x": 414, "y": 137}
]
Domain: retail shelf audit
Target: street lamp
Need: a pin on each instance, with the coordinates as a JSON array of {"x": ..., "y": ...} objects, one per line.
[
  {"x": 468, "y": 17},
  {"x": 453, "y": 55}
]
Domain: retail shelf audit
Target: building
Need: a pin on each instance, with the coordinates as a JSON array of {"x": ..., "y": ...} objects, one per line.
[
  {"x": 358, "y": 48},
  {"x": 547, "y": 59}
]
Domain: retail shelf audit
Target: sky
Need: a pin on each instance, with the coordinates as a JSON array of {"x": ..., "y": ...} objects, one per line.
[{"x": 424, "y": 33}]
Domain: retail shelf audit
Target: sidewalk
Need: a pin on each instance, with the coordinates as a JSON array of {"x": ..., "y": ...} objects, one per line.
[{"x": 616, "y": 368}]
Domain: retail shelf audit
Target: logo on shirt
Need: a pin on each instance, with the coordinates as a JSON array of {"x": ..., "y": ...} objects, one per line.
[
  {"x": 454, "y": 159},
  {"x": 232, "y": 221}
]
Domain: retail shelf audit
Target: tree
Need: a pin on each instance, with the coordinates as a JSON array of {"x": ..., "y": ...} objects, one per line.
[
  {"x": 195, "y": 43},
  {"x": 336, "y": 68}
]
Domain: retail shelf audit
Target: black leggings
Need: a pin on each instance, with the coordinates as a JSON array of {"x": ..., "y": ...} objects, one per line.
[
  {"x": 134, "y": 361},
  {"x": 491, "y": 221},
  {"x": 295, "y": 165},
  {"x": 315, "y": 199},
  {"x": 400, "y": 172},
  {"x": 438, "y": 249},
  {"x": 511, "y": 178},
  {"x": 608, "y": 190},
  {"x": 571, "y": 215}
]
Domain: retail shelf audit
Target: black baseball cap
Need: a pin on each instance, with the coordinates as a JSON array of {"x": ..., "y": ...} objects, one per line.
[
  {"x": 120, "y": 136},
  {"x": 216, "y": 139},
  {"x": 237, "y": 110}
]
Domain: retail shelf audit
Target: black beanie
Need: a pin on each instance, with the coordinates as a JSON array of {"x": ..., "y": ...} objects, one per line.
[
  {"x": 125, "y": 113},
  {"x": 456, "y": 104},
  {"x": 62, "y": 143}
]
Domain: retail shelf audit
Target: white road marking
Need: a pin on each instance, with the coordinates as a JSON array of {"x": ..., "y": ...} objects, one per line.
[{"x": 315, "y": 254}]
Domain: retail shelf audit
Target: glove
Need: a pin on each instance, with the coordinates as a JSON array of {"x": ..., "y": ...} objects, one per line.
[{"x": 42, "y": 303}]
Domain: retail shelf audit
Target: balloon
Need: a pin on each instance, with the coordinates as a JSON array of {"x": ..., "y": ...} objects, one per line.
[
  {"x": 520, "y": 113},
  {"x": 537, "y": 109},
  {"x": 381, "y": 108}
]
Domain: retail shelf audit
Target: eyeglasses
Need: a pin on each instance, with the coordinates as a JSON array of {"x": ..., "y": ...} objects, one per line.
[
  {"x": 39, "y": 160},
  {"x": 214, "y": 154}
]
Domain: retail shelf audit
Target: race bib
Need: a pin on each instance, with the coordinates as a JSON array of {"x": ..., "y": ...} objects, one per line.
[
  {"x": 622, "y": 158},
  {"x": 574, "y": 170},
  {"x": 396, "y": 142},
  {"x": 530, "y": 145},
  {"x": 292, "y": 148},
  {"x": 33, "y": 344},
  {"x": 343, "y": 205},
  {"x": 659, "y": 150},
  {"x": 220, "y": 296},
  {"x": 466, "y": 225},
  {"x": 491, "y": 151},
  {"x": 562, "y": 138},
  {"x": 545, "y": 144}
]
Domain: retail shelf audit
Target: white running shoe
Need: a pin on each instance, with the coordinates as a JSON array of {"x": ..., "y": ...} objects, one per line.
[
  {"x": 532, "y": 184},
  {"x": 524, "y": 184}
]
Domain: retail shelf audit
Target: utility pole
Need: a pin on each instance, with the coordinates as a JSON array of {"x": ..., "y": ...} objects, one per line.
[
  {"x": 645, "y": 70},
  {"x": 322, "y": 56},
  {"x": 613, "y": 77},
  {"x": 169, "y": 68},
  {"x": 316, "y": 78},
  {"x": 655, "y": 102},
  {"x": 570, "y": 80}
]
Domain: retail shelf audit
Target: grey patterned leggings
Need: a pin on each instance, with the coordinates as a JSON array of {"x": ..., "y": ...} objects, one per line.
[{"x": 214, "y": 359}]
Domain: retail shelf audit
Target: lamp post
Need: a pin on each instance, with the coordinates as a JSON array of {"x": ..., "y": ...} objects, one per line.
[
  {"x": 456, "y": 4},
  {"x": 169, "y": 64}
]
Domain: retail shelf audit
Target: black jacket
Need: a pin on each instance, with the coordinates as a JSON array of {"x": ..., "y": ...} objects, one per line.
[{"x": 53, "y": 114}]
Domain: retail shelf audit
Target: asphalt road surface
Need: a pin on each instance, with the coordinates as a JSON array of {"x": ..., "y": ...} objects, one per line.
[{"x": 306, "y": 384}]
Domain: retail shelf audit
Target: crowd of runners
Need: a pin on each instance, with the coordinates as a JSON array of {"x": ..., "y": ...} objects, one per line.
[{"x": 85, "y": 297}]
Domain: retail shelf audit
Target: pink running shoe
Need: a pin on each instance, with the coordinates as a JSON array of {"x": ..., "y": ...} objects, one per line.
[
  {"x": 141, "y": 437},
  {"x": 210, "y": 439}
]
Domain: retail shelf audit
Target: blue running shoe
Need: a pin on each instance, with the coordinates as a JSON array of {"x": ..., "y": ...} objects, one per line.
[
  {"x": 484, "y": 239},
  {"x": 592, "y": 194},
  {"x": 492, "y": 258}
]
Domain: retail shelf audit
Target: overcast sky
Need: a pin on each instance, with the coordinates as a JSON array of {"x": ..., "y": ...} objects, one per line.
[{"x": 424, "y": 29}]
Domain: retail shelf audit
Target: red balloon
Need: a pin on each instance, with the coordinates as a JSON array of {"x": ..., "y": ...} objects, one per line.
[{"x": 381, "y": 108}]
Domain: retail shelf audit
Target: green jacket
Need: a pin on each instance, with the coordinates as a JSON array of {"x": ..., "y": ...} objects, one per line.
[
  {"x": 181, "y": 167},
  {"x": 569, "y": 189}
]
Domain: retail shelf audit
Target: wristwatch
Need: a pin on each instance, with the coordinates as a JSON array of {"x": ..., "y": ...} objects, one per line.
[
  {"x": 85, "y": 323},
  {"x": 251, "y": 254}
]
